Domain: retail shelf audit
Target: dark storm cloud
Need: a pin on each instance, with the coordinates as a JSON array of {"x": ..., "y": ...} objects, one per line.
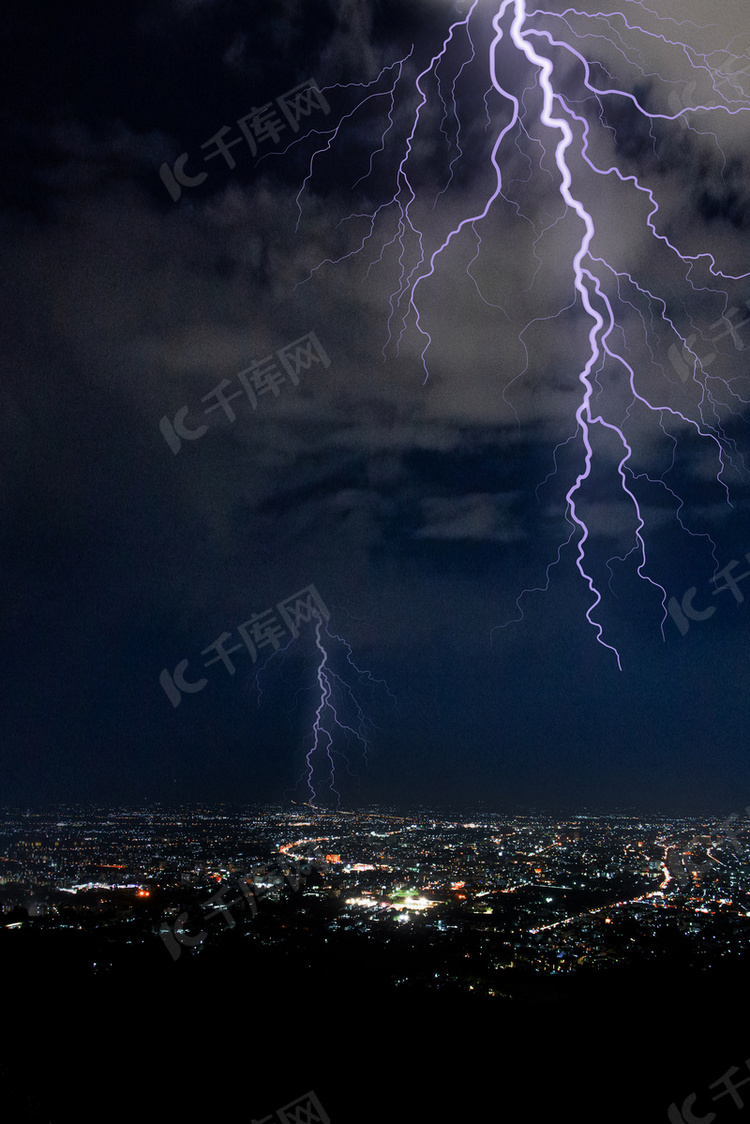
[
  {"x": 412, "y": 504},
  {"x": 224, "y": 275}
]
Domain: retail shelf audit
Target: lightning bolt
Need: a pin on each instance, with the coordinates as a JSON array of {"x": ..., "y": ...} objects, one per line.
[
  {"x": 338, "y": 714},
  {"x": 333, "y": 692},
  {"x": 597, "y": 286}
]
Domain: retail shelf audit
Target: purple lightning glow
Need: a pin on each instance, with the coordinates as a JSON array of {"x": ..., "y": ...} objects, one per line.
[
  {"x": 328, "y": 725},
  {"x": 339, "y": 717},
  {"x": 597, "y": 285}
]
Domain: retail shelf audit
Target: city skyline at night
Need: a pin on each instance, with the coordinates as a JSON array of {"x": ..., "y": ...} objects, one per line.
[{"x": 375, "y": 560}]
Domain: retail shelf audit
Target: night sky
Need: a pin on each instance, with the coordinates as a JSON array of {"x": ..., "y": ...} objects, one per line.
[{"x": 412, "y": 489}]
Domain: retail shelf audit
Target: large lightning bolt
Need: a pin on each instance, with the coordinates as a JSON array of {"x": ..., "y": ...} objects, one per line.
[{"x": 545, "y": 118}]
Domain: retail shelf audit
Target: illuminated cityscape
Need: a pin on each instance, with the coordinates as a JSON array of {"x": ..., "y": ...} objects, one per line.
[
  {"x": 529, "y": 890},
  {"x": 461, "y": 906}
]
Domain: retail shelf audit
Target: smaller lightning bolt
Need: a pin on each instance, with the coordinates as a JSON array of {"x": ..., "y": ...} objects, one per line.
[
  {"x": 339, "y": 715},
  {"x": 335, "y": 699}
]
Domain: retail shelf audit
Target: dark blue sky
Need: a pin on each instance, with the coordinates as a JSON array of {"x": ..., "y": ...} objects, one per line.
[{"x": 419, "y": 507}]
